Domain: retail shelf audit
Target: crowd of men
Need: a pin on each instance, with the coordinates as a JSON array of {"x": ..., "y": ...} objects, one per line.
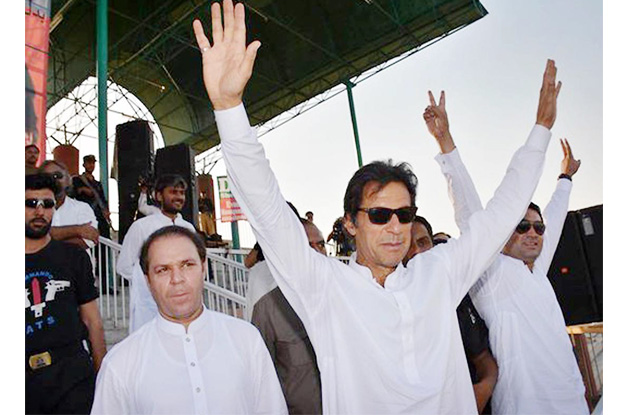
[{"x": 416, "y": 322}]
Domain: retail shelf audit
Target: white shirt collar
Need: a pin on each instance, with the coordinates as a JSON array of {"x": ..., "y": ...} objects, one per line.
[
  {"x": 392, "y": 280},
  {"x": 176, "y": 218},
  {"x": 177, "y": 329}
]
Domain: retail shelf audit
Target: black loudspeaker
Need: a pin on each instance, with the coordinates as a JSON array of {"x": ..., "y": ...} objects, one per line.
[
  {"x": 180, "y": 159},
  {"x": 135, "y": 159},
  {"x": 591, "y": 227},
  {"x": 576, "y": 272}
]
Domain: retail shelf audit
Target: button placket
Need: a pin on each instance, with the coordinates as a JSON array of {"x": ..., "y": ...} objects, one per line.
[
  {"x": 195, "y": 375},
  {"x": 408, "y": 339}
]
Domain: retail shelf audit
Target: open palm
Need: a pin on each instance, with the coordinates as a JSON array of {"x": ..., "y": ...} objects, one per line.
[{"x": 227, "y": 64}]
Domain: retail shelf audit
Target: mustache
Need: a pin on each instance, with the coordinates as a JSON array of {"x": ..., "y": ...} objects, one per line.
[{"x": 38, "y": 220}]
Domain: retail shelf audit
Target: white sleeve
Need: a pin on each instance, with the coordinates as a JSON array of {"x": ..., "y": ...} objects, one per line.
[
  {"x": 460, "y": 188},
  {"x": 301, "y": 272},
  {"x": 85, "y": 214},
  {"x": 554, "y": 216},
  {"x": 268, "y": 395},
  {"x": 110, "y": 395},
  {"x": 130, "y": 251},
  {"x": 189, "y": 226},
  {"x": 143, "y": 207},
  {"x": 488, "y": 230}
]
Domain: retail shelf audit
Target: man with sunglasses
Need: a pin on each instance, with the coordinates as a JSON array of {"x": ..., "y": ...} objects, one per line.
[
  {"x": 74, "y": 221},
  {"x": 64, "y": 335},
  {"x": 386, "y": 336},
  {"x": 538, "y": 371}
]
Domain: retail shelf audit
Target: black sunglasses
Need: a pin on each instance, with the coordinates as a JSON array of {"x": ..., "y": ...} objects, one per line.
[
  {"x": 380, "y": 215},
  {"x": 45, "y": 203},
  {"x": 525, "y": 225},
  {"x": 57, "y": 175}
]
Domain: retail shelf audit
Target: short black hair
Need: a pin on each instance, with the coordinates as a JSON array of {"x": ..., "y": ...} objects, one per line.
[
  {"x": 259, "y": 252},
  {"x": 424, "y": 222},
  {"x": 40, "y": 181},
  {"x": 383, "y": 173},
  {"x": 167, "y": 232},
  {"x": 535, "y": 207},
  {"x": 169, "y": 180}
]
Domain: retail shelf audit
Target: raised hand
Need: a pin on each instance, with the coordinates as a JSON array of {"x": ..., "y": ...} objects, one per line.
[
  {"x": 435, "y": 117},
  {"x": 546, "y": 115},
  {"x": 569, "y": 165},
  {"x": 227, "y": 64}
]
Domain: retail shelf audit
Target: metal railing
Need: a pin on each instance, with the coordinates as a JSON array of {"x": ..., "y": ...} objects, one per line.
[
  {"x": 113, "y": 289},
  {"x": 225, "y": 285},
  {"x": 587, "y": 340}
]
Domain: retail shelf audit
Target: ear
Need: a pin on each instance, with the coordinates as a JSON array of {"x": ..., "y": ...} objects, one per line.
[
  {"x": 147, "y": 281},
  {"x": 349, "y": 225},
  {"x": 159, "y": 197}
]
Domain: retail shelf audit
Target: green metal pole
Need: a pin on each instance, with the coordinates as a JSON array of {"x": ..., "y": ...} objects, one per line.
[
  {"x": 101, "y": 72},
  {"x": 235, "y": 234},
  {"x": 352, "y": 111}
]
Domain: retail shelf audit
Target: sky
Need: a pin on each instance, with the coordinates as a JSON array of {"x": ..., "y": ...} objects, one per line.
[{"x": 491, "y": 72}]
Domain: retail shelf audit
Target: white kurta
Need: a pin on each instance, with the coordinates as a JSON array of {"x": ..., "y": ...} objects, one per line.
[
  {"x": 74, "y": 212},
  {"x": 260, "y": 283},
  {"x": 538, "y": 372},
  {"x": 219, "y": 366},
  {"x": 143, "y": 207},
  {"x": 142, "y": 305},
  {"x": 391, "y": 349}
]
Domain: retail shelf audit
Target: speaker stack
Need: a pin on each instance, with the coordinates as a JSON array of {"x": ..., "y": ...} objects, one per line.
[
  {"x": 576, "y": 272},
  {"x": 180, "y": 159},
  {"x": 135, "y": 151}
]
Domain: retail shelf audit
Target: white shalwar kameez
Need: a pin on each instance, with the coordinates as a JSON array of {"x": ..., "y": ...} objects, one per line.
[
  {"x": 142, "y": 305},
  {"x": 220, "y": 365},
  {"x": 380, "y": 350},
  {"x": 538, "y": 372},
  {"x": 74, "y": 212}
]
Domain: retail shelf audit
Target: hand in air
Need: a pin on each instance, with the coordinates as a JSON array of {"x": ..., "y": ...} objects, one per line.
[
  {"x": 569, "y": 165},
  {"x": 226, "y": 64},
  {"x": 435, "y": 116},
  {"x": 548, "y": 98}
]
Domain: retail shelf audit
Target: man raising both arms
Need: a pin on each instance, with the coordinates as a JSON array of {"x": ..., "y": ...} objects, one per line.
[
  {"x": 386, "y": 336},
  {"x": 538, "y": 370}
]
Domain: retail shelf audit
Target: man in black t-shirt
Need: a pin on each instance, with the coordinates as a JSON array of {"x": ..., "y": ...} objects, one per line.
[{"x": 64, "y": 335}]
